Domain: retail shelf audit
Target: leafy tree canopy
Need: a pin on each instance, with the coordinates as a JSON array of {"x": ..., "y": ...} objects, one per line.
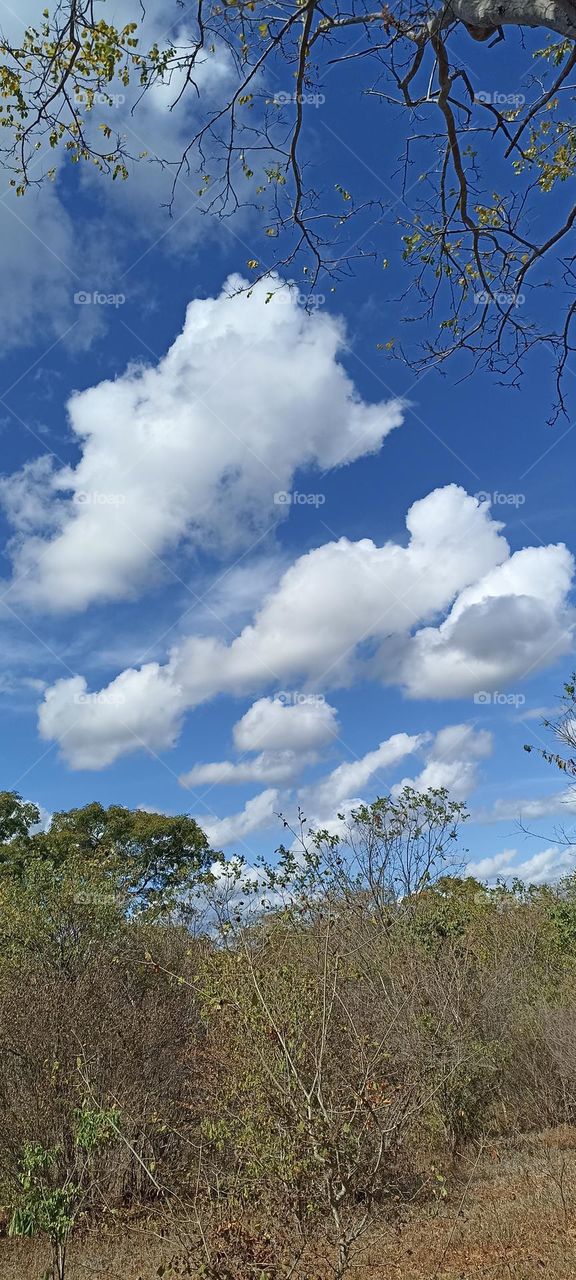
[
  {"x": 147, "y": 857},
  {"x": 17, "y": 816}
]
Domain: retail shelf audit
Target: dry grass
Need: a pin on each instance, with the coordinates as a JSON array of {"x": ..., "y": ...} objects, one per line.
[{"x": 509, "y": 1214}]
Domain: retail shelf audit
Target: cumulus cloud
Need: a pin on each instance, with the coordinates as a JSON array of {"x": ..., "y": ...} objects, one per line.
[
  {"x": 317, "y": 625},
  {"x": 229, "y": 597},
  {"x": 95, "y": 728},
  {"x": 344, "y": 788},
  {"x": 452, "y": 758},
  {"x": 287, "y": 735},
  {"x": 192, "y": 449},
  {"x": 456, "y": 749},
  {"x": 304, "y": 723},
  {"x": 512, "y": 621}
]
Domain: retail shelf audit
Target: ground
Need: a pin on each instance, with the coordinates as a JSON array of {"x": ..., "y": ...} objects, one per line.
[{"x": 510, "y": 1213}]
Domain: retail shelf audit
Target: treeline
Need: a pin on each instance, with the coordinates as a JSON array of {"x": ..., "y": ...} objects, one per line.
[{"x": 265, "y": 1060}]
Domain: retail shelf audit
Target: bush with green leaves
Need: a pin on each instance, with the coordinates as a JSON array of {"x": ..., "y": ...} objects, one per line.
[{"x": 51, "y": 1185}]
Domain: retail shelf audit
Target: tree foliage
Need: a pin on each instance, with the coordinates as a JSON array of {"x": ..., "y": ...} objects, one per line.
[{"x": 142, "y": 859}]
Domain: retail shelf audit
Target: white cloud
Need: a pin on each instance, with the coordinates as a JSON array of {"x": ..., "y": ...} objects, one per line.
[
  {"x": 457, "y": 748},
  {"x": 156, "y": 129},
  {"x": 453, "y": 760},
  {"x": 339, "y": 790},
  {"x": 45, "y": 258},
  {"x": 268, "y": 766},
  {"x": 194, "y": 448},
  {"x": 287, "y": 736},
  {"x": 44, "y": 821},
  {"x": 275, "y": 724},
  {"x": 525, "y": 809},
  {"x": 343, "y": 787},
  {"x": 257, "y": 814},
  {"x": 452, "y": 757},
  {"x": 94, "y": 729},
  {"x": 315, "y": 626},
  {"x": 509, "y": 624},
  {"x": 541, "y": 868}
]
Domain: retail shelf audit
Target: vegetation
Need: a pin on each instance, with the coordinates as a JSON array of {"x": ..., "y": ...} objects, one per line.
[{"x": 270, "y": 1064}]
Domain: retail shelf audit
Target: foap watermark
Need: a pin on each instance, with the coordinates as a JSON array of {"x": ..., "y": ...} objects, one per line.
[
  {"x": 293, "y": 698},
  {"x": 493, "y": 97},
  {"x": 98, "y": 98},
  {"x": 311, "y": 301},
  {"x": 283, "y": 99},
  {"x": 83, "y": 298},
  {"x": 485, "y": 298},
  {"x": 497, "y": 499},
  {"x": 498, "y": 898},
  {"x": 485, "y": 699},
  {"x": 106, "y": 698},
  {"x": 291, "y": 497},
  {"x": 94, "y": 498}
]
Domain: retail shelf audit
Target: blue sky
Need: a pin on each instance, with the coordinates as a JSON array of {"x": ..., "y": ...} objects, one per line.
[{"x": 161, "y": 611}]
